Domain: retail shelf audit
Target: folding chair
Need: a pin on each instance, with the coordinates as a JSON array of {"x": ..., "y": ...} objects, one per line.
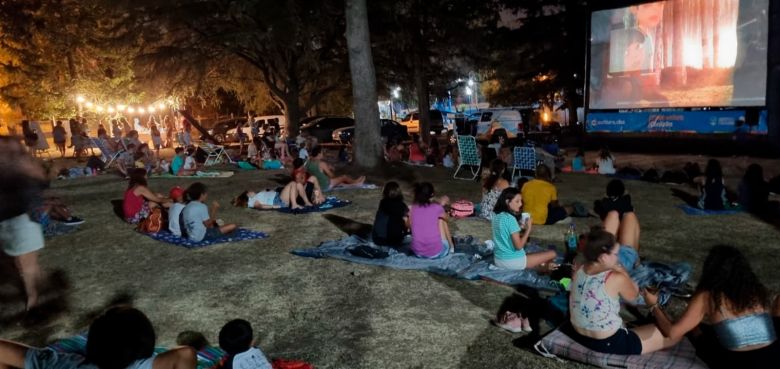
[
  {"x": 524, "y": 159},
  {"x": 109, "y": 156},
  {"x": 467, "y": 156},
  {"x": 215, "y": 154}
]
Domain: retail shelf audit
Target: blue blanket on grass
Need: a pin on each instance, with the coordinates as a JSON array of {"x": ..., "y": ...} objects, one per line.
[
  {"x": 472, "y": 260},
  {"x": 239, "y": 234},
  {"x": 690, "y": 210},
  {"x": 331, "y": 202}
]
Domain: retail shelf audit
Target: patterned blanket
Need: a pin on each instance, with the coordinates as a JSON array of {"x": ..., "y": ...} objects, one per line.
[{"x": 240, "y": 234}]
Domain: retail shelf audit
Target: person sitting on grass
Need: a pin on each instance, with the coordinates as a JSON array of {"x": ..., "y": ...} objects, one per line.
[
  {"x": 325, "y": 174},
  {"x": 594, "y": 303},
  {"x": 510, "y": 237},
  {"x": 126, "y": 160},
  {"x": 492, "y": 187},
  {"x": 198, "y": 220},
  {"x": 616, "y": 199},
  {"x": 120, "y": 338},
  {"x": 578, "y": 163},
  {"x": 712, "y": 189},
  {"x": 310, "y": 182},
  {"x": 391, "y": 223},
  {"x": 236, "y": 338},
  {"x": 177, "y": 163},
  {"x": 417, "y": 150},
  {"x": 139, "y": 200},
  {"x": 174, "y": 212},
  {"x": 431, "y": 238},
  {"x": 731, "y": 310},
  {"x": 190, "y": 166},
  {"x": 541, "y": 199},
  {"x": 606, "y": 162}
]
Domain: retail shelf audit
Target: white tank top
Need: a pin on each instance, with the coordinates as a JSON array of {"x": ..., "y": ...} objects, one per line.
[{"x": 590, "y": 305}]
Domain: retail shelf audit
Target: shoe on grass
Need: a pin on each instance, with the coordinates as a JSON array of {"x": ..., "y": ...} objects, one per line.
[{"x": 73, "y": 221}]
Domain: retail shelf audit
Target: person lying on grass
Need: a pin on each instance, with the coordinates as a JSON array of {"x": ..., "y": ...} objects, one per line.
[
  {"x": 121, "y": 338},
  {"x": 325, "y": 174},
  {"x": 286, "y": 197},
  {"x": 431, "y": 238},
  {"x": 199, "y": 221}
]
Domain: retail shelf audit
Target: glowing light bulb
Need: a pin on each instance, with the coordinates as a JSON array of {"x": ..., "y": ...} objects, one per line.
[
  {"x": 99, "y": 109},
  {"x": 89, "y": 104},
  {"x": 131, "y": 110},
  {"x": 111, "y": 109},
  {"x": 80, "y": 99},
  {"x": 121, "y": 107},
  {"x": 141, "y": 110}
]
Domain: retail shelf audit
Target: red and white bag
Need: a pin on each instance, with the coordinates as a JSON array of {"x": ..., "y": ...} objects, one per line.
[{"x": 461, "y": 209}]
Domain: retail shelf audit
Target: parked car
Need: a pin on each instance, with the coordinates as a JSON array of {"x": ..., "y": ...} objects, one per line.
[
  {"x": 390, "y": 130},
  {"x": 220, "y": 130},
  {"x": 322, "y": 128},
  {"x": 440, "y": 122},
  {"x": 491, "y": 120},
  {"x": 268, "y": 125}
]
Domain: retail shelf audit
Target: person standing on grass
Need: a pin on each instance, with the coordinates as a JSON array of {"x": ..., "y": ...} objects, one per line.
[
  {"x": 22, "y": 180},
  {"x": 60, "y": 136}
]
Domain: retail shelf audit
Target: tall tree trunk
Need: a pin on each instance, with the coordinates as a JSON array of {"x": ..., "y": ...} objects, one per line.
[
  {"x": 292, "y": 113},
  {"x": 368, "y": 140},
  {"x": 423, "y": 100},
  {"x": 420, "y": 63}
]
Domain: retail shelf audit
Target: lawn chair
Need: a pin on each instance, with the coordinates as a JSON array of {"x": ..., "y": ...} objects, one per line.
[
  {"x": 467, "y": 156},
  {"x": 215, "y": 154},
  {"x": 524, "y": 159},
  {"x": 107, "y": 155}
]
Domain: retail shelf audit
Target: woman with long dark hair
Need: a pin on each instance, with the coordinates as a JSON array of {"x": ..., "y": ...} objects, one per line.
[
  {"x": 731, "y": 307},
  {"x": 754, "y": 190},
  {"x": 492, "y": 187},
  {"x": 139, "y": 200},
  {"x": 712, "y": 189}
]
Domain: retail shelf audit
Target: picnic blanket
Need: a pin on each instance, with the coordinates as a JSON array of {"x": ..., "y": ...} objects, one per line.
[
  {"x": 208, "y": 357},
  {"x": 200, "y": 174},
  {"x": 681, "y": 356},
  {"x": 694, "y": 211},
  {"x": 331, "y": 202},
  {"x": 240, "y": 234},
  {"x": 473, "y": 260},
  {"x": 364, "y": 186}
]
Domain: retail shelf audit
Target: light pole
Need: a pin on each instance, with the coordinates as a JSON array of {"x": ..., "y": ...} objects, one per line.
[
  {"x": 396, "y": 94},
  {"x": 476, "y": 94}
]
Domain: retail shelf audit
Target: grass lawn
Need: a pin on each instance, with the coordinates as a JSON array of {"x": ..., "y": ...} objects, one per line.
[{"x": 331, "y": 313}]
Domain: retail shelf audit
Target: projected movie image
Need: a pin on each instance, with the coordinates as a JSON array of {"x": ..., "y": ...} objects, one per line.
[{"x": 679, "y": 53}]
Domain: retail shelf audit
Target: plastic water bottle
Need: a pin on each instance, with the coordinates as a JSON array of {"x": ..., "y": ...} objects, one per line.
[{"x": 571, "y": 239}]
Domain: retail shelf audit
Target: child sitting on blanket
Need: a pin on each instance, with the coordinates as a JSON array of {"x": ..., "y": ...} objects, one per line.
[
  {"x": 200, "y": 222},
  {"x": 177, "y": 163},
  {"x": 122, "y": 337},
  {"x": 190, "y": 167},
  {"x": 174, "y": 212},
  {"x": 431, "y": 237},
  {"x": 236, "y": 338},
  {"x": 392, "y": 218}
]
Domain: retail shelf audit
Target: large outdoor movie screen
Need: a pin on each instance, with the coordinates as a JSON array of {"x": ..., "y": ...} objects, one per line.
[{"x": 679, "y": 53}]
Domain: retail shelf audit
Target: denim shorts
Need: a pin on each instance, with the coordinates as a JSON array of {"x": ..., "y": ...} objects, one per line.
[
  {"x": 444, "y": 251},
  {"x": 628, "y": 257},
  {"x": 212, "y": 233}
]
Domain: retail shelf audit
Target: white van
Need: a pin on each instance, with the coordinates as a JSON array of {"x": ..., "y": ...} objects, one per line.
[{"x": 508, "y": 119}]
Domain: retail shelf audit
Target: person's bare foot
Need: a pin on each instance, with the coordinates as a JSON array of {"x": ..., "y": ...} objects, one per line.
[{"x": 360, "y": 180}]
